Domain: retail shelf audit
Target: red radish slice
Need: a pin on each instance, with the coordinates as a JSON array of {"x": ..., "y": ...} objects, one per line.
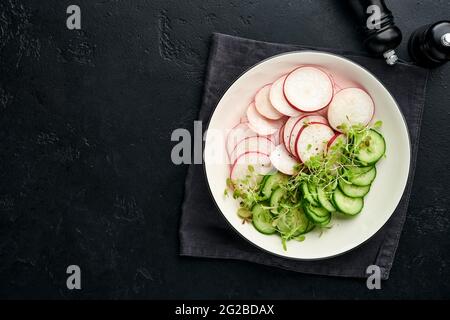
[
  {"x": 275, "y": 138},
  {"x": 243, "y": 119},
  {"x": 238, "y": 133},
  {"x": 336, "y": 138},
  {"x": 260, "y": 124},
  {"x": 299, "y": 125},
  {"x": 279, "y": 136},
  {"x": 349, "y": 107},
  {"x": 323, "y": 112},
  {"x": 312, "y": 140},
  {"x": 279, "y": 101},
  {"x": 259, "y": 161},
  {"x": 254, "y": 144},
  {"x": 313, "y": 118},
  {"x": 282, "y": 160},
  {"x": 308, "y": 89},
  {"x": 264, "y": 106},
  {"x": 287, "y": 130}
]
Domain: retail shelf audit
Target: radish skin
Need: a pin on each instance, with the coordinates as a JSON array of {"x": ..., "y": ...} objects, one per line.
[
  {"x": 301, "y": 122},
  {"x": 252, "y": 144},
  {"x": 308, "y": 89},
  {"x": 264, "y": 106},
  {"x": 260, "y": 124},
  {"x": 282, "y": 160},
  {"x": 239, "y": 132},
  {"x": 351, "y": 106},
  {"x": 287, "y": 130},
  {"x": 335, "y": 139},
  {"x": 312, "y": 140},
  {"x": 279, "y": 101},
  {"x": 259, "y": 161}
]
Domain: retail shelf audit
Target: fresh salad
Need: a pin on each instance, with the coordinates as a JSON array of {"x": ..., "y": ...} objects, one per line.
[{"x": 306, "y": 150}]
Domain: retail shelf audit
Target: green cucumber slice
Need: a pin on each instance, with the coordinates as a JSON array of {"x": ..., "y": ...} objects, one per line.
[
  {"x": 293, "y": 223},
  {"x": 272, "y": 182},
  {"x": 356, "y": 171},
  {"x": 324, "y": 200},
  {"x": 275, "y": 199},
  {"x": 352, "y": 190},
  {"x": 316, "y": 215},
  {"x": 371, "y": 147},
  {"x": 313, "y": 190},
  {"x": 364, "y": 179},
  {"x": 310, "y": 227},
  {"x": 347, "y": 205},
  {"x": 262, "y": 220},
  {"x": 307, "y": 194}
]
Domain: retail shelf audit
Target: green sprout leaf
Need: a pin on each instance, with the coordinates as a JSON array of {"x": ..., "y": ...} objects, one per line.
[{"x": 378, "y": 124}]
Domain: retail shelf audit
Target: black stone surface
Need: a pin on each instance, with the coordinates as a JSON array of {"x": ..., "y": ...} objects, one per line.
[{"x": 85, "y": 124}]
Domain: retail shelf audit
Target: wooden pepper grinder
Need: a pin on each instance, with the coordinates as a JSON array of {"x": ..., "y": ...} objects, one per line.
[
  {"x": 381, "y": 35},
  {"x": 429, "y": 46}
]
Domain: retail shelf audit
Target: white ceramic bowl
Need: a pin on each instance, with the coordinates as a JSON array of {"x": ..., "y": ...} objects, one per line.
[{"x": 386, "y": 191}]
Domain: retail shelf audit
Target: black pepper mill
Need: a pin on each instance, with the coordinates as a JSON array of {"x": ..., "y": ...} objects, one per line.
[
  {"x": 429, "y": 46},
  {"x": 381, "y": 35}
]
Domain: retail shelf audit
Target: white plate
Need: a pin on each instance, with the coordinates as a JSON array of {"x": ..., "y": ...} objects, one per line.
[{"x": 386, "y": 191}]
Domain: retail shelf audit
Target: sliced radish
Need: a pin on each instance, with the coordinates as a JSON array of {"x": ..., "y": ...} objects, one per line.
[
  {"x": 279, "y": 134},
  {"x": 335, "y": 139},
  {"x": 259, "y": 161},
  {"x": 287, "y": 130},
  {"x": 238, "y": 133},
  {"x": 313, "y": 118},
  {"x": 260, "y": 124},
  {"x": 279, "y": 101},
  {"x": 302, "y": 121},
  {"x": 323, "y": 112},
  {"x": 264, "y": 106},
  {"x": 351, "y": 106},
  {"x": 282, "y": 160},
  {"x": 312, "y": 140},
  {"x": 308, "y": 89},
  {"x": 254, "y": 144}
]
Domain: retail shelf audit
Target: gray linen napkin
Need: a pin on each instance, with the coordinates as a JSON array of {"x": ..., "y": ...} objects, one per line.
[{"x": 203, "y": 230}]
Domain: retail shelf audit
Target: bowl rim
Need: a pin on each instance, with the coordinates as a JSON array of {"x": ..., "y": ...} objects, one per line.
[{"x": 319, "y": 52}]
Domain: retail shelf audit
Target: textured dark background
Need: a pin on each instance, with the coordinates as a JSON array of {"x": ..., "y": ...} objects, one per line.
[{"x": 85, "y": 124}]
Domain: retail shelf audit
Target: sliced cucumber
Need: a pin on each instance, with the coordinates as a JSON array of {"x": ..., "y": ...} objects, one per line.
[
  {"x": 364, "y": 179},
  {"x": 275, "y": 199},
  {"x": 356, "y": 171},
  {"x": 310, "y": 227},
  {"x": 294, "y": 219},
  {"x": 316, "y": 215},
  {"x": 262, "y": 220},
  {"x": 326, "y": 222},
  {"x": 347, "y": 205},
  {"x": 313, "y": 190},
  {"x": 307, "y": 194},
  {"x": 352, "y": 190},
  {"x": 371, "y": 147},
  {"x": 271, "y": 183},
  {"x": 324, "y": 200}
]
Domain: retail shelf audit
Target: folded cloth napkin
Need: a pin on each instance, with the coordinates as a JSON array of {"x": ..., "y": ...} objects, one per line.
[{"x": 203, "y": 230}]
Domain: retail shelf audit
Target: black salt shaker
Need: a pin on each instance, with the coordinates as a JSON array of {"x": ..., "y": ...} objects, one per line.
[
  {"x": 429, "y": 46},
  {"x": 381, "y": 35}
]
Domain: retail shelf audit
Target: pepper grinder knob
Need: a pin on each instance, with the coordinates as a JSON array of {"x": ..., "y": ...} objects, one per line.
[{"x": 429, "y": 45}]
